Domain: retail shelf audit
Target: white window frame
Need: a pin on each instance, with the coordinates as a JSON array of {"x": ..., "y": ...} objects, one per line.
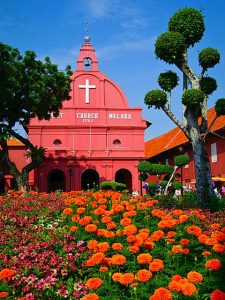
[{"x": 213, "y": 153}]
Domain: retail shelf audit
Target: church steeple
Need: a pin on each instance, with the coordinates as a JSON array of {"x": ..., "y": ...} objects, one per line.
[{"x": 87, "y": 59}]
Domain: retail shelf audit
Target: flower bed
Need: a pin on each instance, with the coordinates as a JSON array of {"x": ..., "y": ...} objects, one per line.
[{"x": 105, "y": 245}]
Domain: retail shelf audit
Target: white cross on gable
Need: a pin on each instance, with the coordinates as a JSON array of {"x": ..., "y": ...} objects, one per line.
[{"x": 87, "y": 87}]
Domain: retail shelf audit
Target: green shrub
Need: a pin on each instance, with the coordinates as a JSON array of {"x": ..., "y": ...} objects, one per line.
[
  {"x": 167, "y": 201},
  {"x": 112, "y": 185},
  {"x": 189, "y": 200}
]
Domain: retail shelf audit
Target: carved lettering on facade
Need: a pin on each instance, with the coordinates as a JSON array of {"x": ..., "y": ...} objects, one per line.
[
  {"x": 59, "y": 116},
  {"x": 120, "y": 116}
]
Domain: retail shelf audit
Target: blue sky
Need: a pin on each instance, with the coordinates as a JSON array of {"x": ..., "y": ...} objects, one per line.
[{"x": 123, "y": 33}]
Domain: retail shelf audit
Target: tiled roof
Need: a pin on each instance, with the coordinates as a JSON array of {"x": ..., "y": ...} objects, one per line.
[
  {"x": 176, "y": 137},
  {"x": 14, "y": 142}
]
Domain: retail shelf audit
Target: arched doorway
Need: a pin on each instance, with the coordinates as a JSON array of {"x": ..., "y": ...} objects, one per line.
[
  {"x": 124, "y": 176},
  {"x": 89, "y": 180},
  {"x": 56, "y": 181}
]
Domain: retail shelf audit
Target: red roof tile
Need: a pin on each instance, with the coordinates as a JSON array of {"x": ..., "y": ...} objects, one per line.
[{"x": 176, "y": 137}]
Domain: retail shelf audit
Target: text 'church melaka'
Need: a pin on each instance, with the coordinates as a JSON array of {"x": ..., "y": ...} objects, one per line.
[{"x": 96, "y": 137}]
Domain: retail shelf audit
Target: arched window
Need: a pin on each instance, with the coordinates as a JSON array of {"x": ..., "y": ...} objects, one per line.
[
  {"x": 57, "y": 142},
  {"x": 116, "y": 143},
  {"x": 87, "y": 63}
]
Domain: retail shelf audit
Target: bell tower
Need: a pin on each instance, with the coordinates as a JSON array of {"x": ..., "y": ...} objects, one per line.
[{"x": 87, "y": 59}]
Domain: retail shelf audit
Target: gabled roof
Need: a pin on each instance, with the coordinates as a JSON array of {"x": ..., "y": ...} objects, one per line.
[
  {"x": 14, "y": 142},
  {"x": 176, "y": 137}
]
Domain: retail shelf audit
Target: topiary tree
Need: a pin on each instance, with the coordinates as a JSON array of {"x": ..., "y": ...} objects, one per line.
[
  {"x": 186, "y": 27},
  {"x": 28, "y": 88}
]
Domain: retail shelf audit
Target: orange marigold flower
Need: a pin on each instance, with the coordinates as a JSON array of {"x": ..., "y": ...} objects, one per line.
[
  {"x": 213, "y": 264},
  {"x": 116, "y": 277},
  {"x": 144, "y": 258},
  {"x": 92, "y": 244},
  {"x": 176, "y": 277},
  {"x": 117, "y": 246},
  {"x": 73, "y": 228},
  {"x": 111, "y": 225},
  {"x": 174, "y": 286},
  {"x": 184, "y": 241},
  {"x": 85, "y": 220},
  {"x": 90, "y": 228},
  {"x": 106, "y": 219},
  {"x": 167, "y": 223},
  {"x": 94, "y": 283},
  {"x": 67, "y": 211},
  {"x": 157, "y": 235},
  {"x": 194, "y": 277},
  {"x": 183, "y": 218},
  {"x": 92, "y": 296},
  {"x": 157, "y": 213},
  {"x": 188, "y": 289},
  {"x": 163, "y": 294},
  {"x": 215, "y": 226},
  {"x": 148, "y": 244},
  {"x": 219, "y": 248},
  {"x": 141, "y": 206},
  {"x": 126, "y": 278},
  {"x": 144, "y": 275},
  {"x": 156, "y": 265},
  {"x": 125, "y": 221},
  {"x": 170, "y": 234},
  {"x": 6, "y": 274},
  {"x": 110, "y": 234},
  {"x": 134, "y": 249},
  {"x": 217, "y": 295},
  {"x": 206, "y": 253},
  {"x": 95, "y": 259},
  {"x": 219, "y": 236},
  {"x": 185, "y": 251},
  {"x": 4, "y": 294},
  {"x": 130, "y": 230},
  {"x": 75, "y": 218},
  {"x": 118, "y": 259},
  {"x": 131, "y": 238},
  {"x": 103, "y": 247},
  {"x": 194, "y": 230},
  {"x": 103, "y": 269},
  {"x": 177, "y": 249},
  {"x": 81, "y": 210},
  {"x": 101, "y": 232},
  {"x": 202, "y": 238},
  {"x": 177, "y": 212}
]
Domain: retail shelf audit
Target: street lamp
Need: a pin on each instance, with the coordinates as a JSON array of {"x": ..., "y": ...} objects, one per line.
[{"x": 70, "y": 170}]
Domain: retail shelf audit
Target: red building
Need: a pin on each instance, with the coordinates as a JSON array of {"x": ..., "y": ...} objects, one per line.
[
  {"x": 17, "y": 154},
  {"x": 164, "y": 148},
  {"x": 96, "y": 137}
]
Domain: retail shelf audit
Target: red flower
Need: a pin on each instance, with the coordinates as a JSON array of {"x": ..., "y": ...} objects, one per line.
[
  {"x": 144, "y": 258},
  {"x": 118, "y": 260},
  {"x": 188, "y": 289},
  {"x": 144, "y": 275},
  {"x": 92, "y": 296},
  {"x": 217, "y": 295},
  {"x": 3, "y": 294},
  {"x": 194, "y": 277},
  {"x": 94, "y": 283},
  {"x": 213, "y": 264}
]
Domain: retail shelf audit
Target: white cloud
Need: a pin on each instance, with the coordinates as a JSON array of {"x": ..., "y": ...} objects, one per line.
[{"x": 99, "y": 8}]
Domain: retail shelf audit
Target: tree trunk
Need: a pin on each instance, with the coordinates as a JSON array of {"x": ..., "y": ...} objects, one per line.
[
  {"x": 22, "y": 181},
  {"x": 204, "y": 186}
]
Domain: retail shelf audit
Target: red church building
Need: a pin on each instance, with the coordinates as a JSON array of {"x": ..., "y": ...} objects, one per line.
[{"x": 96, "y": 137}]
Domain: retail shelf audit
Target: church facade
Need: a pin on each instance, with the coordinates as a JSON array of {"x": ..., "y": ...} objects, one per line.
[{"x": 96, "y": 137}]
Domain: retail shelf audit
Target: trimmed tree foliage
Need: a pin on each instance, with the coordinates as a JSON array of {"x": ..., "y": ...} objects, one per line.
[
  {"x": 28, "y": 88},
  {"x": 186, "y": 27}
]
